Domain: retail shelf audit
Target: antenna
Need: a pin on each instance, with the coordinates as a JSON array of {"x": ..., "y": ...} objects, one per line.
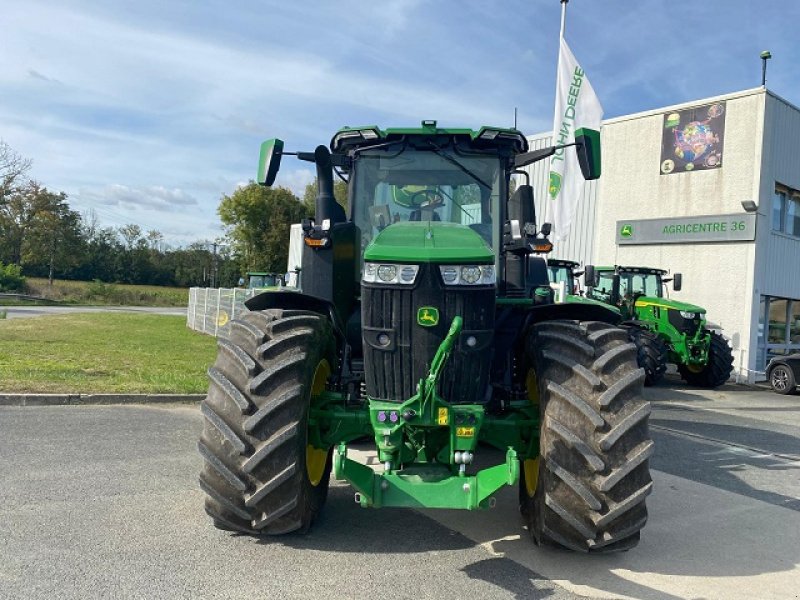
[{"x": 515, "y": 117}]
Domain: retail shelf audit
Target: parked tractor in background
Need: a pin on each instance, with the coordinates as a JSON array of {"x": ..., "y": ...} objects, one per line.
[
  {"x": 260, "y": 279},
  {"x": 702, "y": 355},
  {"x": 652, "y": 352},
  {"x": 425, "y": 322}
]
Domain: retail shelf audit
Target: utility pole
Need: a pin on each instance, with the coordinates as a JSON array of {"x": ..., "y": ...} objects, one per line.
[{"x": 214, "y": 265}]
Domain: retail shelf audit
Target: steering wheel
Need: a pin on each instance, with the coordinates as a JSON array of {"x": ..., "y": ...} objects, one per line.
[{"x": 426, "y": 198}]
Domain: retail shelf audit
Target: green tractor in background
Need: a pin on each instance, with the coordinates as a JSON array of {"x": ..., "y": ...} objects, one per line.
[
  {"x": 703, "y": 356},
  {"x": 652, "y": 351},
  {"x": 425, "y": 321},
  {"x": 262, "y": 279}
]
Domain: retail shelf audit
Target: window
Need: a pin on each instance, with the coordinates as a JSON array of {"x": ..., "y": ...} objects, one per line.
[
  {"x": 786, "y": 211},
  {"x": 777, "y": 321},
  {"x": 778, "y": 210},
  {"x": 779, "y": 328},
  {"x": 793, "y": 216},
  {"x": 794, "y": 322}
]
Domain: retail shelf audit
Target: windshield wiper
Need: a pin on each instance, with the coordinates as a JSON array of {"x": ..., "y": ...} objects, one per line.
[{"x": 453, "y": 161}]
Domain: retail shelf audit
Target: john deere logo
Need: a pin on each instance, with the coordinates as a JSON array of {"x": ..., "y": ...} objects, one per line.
[
  {"x": 626, "y": 231},
  {"x": 555, "y": 184},
  {"x": 428, "y": 316}
]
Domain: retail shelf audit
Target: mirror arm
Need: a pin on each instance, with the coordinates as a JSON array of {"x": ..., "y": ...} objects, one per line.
[{"x": 528, "y": 158}]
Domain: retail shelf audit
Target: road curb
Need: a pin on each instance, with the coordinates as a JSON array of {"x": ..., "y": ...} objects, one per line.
[{"x": 95, "y": 399}]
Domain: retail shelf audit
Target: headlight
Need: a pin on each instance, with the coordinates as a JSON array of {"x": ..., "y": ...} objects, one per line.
[
  {"x": 468, "y": 274},
  {"x": 688, "y": 315},
  {"x": 390, "y": 273}
]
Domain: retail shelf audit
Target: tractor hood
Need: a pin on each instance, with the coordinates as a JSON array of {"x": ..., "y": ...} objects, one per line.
[
  {"x": 644, "y": 301},
  {"x": 429, "y": 242},
  {"x": 573, "y": 299}
]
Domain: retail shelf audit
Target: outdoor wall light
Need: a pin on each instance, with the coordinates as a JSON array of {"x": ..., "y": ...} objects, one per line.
[{"x": 749, "y": 205}]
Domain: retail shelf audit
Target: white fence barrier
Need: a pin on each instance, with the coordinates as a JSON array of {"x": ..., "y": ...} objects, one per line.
[{"x": 212, "y": 309}]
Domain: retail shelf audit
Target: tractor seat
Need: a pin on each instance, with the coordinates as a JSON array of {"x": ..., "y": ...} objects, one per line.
[{"x": 424, "y": 214}]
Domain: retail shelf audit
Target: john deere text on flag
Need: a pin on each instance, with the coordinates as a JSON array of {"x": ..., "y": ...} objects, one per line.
[{"x": 576, "y": 106}]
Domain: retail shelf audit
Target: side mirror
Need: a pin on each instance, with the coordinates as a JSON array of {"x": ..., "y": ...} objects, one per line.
[
  {"x": 589, "y": 276},
  {"x": 546, "y": 229},
  {"x": 615, "y": 278},
  {"x": 677, "y": 282},
  {"x": 520, "y": 205},
  {"x": 587, "y": 145},
  {"x": 269, "y": 161}
]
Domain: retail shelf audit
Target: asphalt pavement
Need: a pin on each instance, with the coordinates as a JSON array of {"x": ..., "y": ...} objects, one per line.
[{"x": 102, "y": 502}]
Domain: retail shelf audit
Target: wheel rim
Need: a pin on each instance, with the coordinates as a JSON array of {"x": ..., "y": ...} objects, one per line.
[
  {"x": 780, "y": 379},
  {"x": 695, "y": 368},
  {"x": 317, "y": 458},
  {"x": 530, "y": 466}
]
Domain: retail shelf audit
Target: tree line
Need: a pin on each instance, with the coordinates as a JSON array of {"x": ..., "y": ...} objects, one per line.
[{"x": 42, "y": 236}]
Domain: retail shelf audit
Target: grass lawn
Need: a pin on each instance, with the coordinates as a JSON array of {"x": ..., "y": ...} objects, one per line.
[{"x": 99, "y": 352}]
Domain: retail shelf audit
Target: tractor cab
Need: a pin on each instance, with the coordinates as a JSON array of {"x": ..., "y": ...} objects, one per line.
[
  {"x": 565, "y": 271},
  {"x": 260, "y": 279},
  {"x": 619, "y": 285}
]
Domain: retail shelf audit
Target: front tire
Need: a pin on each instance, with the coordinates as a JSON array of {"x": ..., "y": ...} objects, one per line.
[
  {"x": 718, "y": 368},
  {"x": 782, "y": 381},
  {"x": 260, "y": 475},
  {"x": 593, "y": 474},
  {"x": 651, "y": 354}
]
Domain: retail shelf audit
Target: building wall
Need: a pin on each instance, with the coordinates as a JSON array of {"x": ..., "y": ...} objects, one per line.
[
  {"x": 780, "y": 164},
  {"x": 778, "y": 255},
  {"x": 717, "y": 276}
]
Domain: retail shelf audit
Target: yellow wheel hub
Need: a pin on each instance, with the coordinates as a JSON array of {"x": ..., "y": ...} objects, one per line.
[
  {"x": 530, "y": 466},
  {"x": 317, "y": 458},
  {"x": 695, "y": 368},
  {"x": 531, "y": 469}
]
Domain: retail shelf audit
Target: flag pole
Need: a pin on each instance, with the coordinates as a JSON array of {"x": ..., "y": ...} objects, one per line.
[{"x": 561, "y": 37}]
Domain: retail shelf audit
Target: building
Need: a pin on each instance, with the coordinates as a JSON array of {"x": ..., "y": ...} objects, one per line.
[{"x": 710, "y": 189}]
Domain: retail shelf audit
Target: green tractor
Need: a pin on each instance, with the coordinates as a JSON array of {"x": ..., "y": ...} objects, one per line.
[
  {"x": 262, "y": 279},
  {"x": 651, "y": 349},
  {"x": 425, "y": 322},
  {"x": 702, "y": 355}
]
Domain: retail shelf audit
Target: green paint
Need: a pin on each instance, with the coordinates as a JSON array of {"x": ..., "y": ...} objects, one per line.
[
  {"x": 429, "y": 242},
  {"x": 626, "y": 231},
  {"x": 426, "y": 485}
]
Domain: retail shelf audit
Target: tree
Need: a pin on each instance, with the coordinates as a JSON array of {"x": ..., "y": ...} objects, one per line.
[
  {"x": 310, "y": 195},
  {"x": 13, "y": 168},
  {"x": 131, "y": 233},
  {"x": 257, "y": 222}
]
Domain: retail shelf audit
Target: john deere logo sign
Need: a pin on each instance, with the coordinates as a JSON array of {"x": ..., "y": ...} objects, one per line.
[
  {"x": 428, "y": 316},
  {"x": 555, "y": 184},
  {"x": 688, "y": 230}
]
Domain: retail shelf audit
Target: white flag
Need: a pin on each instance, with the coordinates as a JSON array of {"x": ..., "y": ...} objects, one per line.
[{"x": 576, "y": 106}]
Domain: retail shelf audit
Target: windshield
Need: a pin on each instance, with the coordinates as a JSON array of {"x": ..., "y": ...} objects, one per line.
[
  {"x": 647, "y": 284},
  {"x": 436, "y": 184},
  {"x": 559, "y": 274}
]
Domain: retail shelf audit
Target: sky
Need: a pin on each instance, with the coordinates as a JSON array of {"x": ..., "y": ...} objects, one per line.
[{"x": 149, "y": 112}]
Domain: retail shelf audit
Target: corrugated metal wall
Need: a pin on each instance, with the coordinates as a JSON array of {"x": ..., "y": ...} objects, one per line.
[
  {"x": 779, "y": 255},
  {"x": 579, "y": 245}
]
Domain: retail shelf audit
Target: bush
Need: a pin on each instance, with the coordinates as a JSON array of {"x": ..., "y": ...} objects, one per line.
[
  {"x": 11, "y": 279},
  {"x": 98, "y": 289}
]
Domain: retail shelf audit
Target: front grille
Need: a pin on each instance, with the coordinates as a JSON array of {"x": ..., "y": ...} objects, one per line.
[
  {"x": 682, "y": 324},
  {"x": 393, "y": 369}
]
